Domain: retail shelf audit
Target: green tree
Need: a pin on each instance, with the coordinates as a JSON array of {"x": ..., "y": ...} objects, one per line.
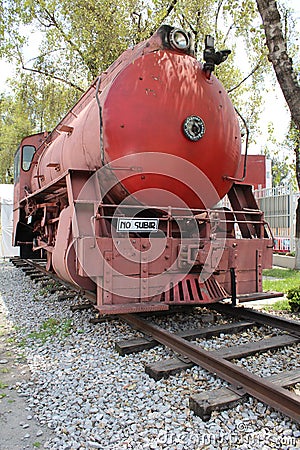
[
  {"x": 46, "y": 99},
  {"x": 80, "y": 39},
  {"x": 14, "y": 124},
  {"x": 34, "y": 105},
  {"x": 283, "y": 167},
  {"x": 279, "y": 54}
]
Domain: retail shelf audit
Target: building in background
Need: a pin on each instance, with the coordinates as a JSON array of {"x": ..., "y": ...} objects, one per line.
[
  {"x": 6, "y": 228},
  {"x": 279, "y": 206}
]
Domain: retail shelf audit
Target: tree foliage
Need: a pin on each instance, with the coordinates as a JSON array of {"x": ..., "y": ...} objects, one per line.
[
  {"x": 81, "y": 38},
  {"x": 276, "y": 32},
  {"x": 283, "y": 165},
  {"x": 287, "y": 77},
  {"x": 34, "y": 104},
  {"x": 15, "y": 123}
]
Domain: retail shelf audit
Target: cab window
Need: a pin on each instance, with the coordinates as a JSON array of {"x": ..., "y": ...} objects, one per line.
[
  {"x": 17, "y": 165},
  {"x": 27, "y": 155}
]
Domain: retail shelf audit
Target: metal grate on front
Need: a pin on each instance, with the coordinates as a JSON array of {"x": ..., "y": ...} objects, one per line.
[{"x": 191, "y": 290}]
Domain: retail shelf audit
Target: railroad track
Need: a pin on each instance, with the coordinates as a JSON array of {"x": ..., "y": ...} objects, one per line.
[{"x": 271, "y": 390}]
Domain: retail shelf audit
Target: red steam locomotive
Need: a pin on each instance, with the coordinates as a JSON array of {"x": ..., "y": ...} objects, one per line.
[{"x": 124, "y": 195}]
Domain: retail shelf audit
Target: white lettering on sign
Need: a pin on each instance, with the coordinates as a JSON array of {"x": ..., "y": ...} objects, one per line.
[{"x": 137, "y": 225}]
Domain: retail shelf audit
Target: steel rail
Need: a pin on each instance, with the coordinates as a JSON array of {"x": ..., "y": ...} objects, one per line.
[
  {"x": 271, "y": 394},
  {"x": 88, "y": 294},
  {"x": 275, "y": 396},
  {"x": 291, "y": 326}
]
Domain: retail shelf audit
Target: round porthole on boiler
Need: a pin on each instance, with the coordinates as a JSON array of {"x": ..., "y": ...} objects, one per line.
[{"x": 193, "y": 128}]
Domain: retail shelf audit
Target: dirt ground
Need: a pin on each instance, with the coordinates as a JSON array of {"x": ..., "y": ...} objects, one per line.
[{"x": 18, "y": 428}]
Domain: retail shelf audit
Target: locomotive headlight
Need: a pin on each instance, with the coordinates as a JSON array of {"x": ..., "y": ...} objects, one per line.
[{"x": 179, "y": 39}]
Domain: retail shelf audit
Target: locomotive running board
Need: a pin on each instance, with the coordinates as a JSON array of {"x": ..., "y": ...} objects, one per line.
[
  {"x": 130, "y": 308},
  {"x": 256, "y": 296}
]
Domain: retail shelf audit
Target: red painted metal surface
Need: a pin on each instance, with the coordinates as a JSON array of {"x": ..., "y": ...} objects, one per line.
[
  {"x": 84, "y": 176},
  {"x": 256, "y": 171},
  {"x": 145, "y": 110},
  {"x": 146, "y": 97}
]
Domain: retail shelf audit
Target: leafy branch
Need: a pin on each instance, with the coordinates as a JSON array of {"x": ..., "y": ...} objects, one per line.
[
  {"x": 246, "y": 78},
  {"x": 46, "y": 73}
]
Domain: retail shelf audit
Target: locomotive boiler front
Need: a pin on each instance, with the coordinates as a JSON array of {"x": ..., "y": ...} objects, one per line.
[
  {"x": 161, "y": 116},
  {"x": 165, "y": 104}
]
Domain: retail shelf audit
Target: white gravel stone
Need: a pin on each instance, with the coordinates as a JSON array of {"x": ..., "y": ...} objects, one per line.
[{"x": 93, "y": 398}]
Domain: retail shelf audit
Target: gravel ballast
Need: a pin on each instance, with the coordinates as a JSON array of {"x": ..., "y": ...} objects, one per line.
[{"x": 85, "y": 396}]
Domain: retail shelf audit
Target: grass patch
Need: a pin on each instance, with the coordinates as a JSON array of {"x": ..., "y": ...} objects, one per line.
[
  {"x": 3, "y": 385},
  {"x": 280, "y": 305},
  {"x": 46, "y": 290},
  {"x": 51, "y": 327},
  {"x": 40, "y": 294},
  {"x": 2, "y": 395},
  {"x": 284, "y": 280},
  {"x": 4, "y": 370},
  {"x": 37, "y": 444}
]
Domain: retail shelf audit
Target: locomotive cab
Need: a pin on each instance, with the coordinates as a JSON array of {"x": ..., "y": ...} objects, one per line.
[{"x": 24, "y": 167}]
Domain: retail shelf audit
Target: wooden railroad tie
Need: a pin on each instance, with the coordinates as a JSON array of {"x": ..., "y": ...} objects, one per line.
[
  {"x": 62, "y": 297},
  {"x": 38, "y": 276},
  {"x": 171, "y": 366},
  {"x": 126, "y": 347},
  {"x": 81, "y": 307},
  {"x": 219, "y": 399}
]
